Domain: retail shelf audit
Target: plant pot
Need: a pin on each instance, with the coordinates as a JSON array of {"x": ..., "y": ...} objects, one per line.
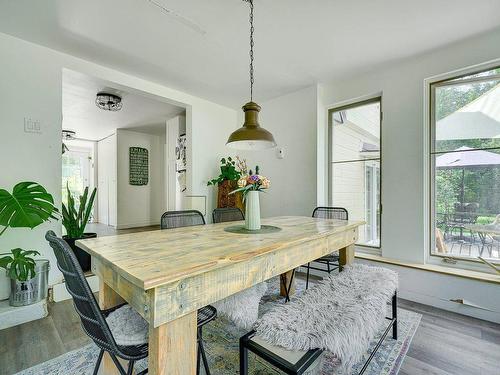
[
  {"x": 4, "y": 285},
  {"x": 27, "y": 292},
  {"x": 82, "y": 256},
  {"x": 252, "y": 211},
  {"x": 224, "y": 199}
]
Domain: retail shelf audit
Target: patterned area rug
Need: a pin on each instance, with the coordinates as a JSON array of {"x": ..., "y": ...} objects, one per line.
[{"x": 221, "y": 343}]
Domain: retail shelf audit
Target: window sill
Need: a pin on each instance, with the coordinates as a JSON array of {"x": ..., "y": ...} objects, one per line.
[{"x": 473, "y": 275}]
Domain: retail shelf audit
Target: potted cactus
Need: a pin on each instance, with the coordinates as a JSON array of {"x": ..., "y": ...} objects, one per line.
[{"x": 75, "y": 220}]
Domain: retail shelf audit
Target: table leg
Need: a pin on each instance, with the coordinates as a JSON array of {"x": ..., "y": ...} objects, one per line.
[
  {"x": 173, "y": 347},
  {"x": 109, "y": 298},
  {"x": 346, "y": 255},
  {"x": 287, "y": 281}
]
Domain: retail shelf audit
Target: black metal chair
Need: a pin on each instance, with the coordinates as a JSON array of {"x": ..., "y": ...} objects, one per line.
[
  {"x": 331, "y": 260},
  {"x": 179, "y": 219},
  {"x": 93, "y": 319},
  {"x": 223, "y": 215},
  {"x": 188, "y": 218}
]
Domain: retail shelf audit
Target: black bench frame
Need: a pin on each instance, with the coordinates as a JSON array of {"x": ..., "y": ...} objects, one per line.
[{"x": 311, "y": 355}]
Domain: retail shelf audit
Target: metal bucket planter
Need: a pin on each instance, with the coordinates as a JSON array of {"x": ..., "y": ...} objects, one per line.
[
  {"x": 31, "y": 291},
  {"x": 4, "y": 285}
]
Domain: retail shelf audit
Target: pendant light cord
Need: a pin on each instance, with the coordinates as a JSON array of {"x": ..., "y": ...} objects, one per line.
[{"x": 251, "y": 49}]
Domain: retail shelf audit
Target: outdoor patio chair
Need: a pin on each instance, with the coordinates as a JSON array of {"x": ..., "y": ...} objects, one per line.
[{"x": 463, "y": 215}]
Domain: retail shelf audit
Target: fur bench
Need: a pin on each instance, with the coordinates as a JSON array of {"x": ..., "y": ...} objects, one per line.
[{"x": 341, "y": 314}]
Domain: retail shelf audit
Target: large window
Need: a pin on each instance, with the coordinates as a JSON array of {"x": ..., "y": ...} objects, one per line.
[
  {"x": 354, "y": 157},
  {"x": 465, "y": 166}
]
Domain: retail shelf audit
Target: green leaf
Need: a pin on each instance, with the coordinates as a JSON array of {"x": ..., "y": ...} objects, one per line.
[
  {"x": 28, "y": 206},
  {"x": 75, "y": 220},
  {"x": 20, "y": 266}
]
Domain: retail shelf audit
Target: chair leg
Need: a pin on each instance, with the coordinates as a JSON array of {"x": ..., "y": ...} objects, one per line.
[
  {"x": 130, "y": 368},
  {"x": 98, "y": 363},
  {"x": 395, "y": 316},
  {"x": 204, "y": 358},
  {"x": 307, "y": 277},
  {"x": 287, "y": 287},
  {"x": 117, "y": 364},
  {"x": 328, "y": 266},
  {"x": 198, "y": 358},
  {"x": 202, "y": 352},
  {"x": 243, "y": 359}
]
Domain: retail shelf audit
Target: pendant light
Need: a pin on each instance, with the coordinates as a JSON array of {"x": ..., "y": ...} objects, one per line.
[{"x": 251, "y": 136}]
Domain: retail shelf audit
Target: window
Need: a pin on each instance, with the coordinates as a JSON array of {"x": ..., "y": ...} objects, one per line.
[
  {"x": 76, "y": 169},
  {"x": 354, "y": 158},
  {"x": 465, "y": 166}
]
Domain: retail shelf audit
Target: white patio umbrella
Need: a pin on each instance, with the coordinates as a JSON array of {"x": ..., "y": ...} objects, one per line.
[{"x": 478, "y": 119}]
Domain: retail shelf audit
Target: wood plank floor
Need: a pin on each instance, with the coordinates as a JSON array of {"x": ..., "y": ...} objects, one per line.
[{"x": 445, "y": 343}]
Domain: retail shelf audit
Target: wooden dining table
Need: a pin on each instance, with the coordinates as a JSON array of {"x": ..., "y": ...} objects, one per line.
[{"x": 167, "y": 275}]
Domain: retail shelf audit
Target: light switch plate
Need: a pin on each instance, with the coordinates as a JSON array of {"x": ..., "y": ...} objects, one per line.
[
  {"x": 32, "y": 125},
  {"x": 280, "y": 153}
]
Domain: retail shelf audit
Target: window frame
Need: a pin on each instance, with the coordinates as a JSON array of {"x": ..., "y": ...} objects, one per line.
[
  {"x": 441, "y": 80},
  {"x": 377, "y": 98}
]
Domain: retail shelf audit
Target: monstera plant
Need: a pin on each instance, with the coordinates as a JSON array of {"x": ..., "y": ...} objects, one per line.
[{"x": 27, "y": 206}]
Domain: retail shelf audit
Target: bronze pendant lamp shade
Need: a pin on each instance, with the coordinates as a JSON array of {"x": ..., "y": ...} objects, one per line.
[{"x": 251, "y": 136}]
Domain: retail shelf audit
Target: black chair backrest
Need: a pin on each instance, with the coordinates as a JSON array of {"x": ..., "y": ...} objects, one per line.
[
  {"x": 93, "y": 321},
  {"x": 223, "y": 215},
  {"x": 178, "y": 219},
  {"x": 339, "y": 213}
]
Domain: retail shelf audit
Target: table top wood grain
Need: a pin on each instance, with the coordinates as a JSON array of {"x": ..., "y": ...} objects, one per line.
[{"x": 151, "y": 259}]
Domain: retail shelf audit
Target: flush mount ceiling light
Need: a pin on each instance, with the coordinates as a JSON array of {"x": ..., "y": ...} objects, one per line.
[
  {"x": 251, "y": 136},
  {"x": 68, "y": 135},
  {"x": 108, "y": 102}
]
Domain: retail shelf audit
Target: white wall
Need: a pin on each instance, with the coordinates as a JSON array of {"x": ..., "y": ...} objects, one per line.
[
  {"x": 31, "y": 86},
  {"x": 139, "y": 205},
  {"x": 401, "y": 84},
  {"x": 25, "y": 77},
  {"x": 292, "y": 120}
]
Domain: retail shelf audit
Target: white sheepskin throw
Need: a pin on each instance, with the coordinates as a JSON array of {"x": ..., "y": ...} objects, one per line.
[
  {"x": 341, "y": 314},
  {"x": 242, "y": 308},
  {"x": 127, "y": 326}
]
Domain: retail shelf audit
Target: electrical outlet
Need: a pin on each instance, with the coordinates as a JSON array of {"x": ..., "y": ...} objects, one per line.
[{"x": 32, "y": 126}]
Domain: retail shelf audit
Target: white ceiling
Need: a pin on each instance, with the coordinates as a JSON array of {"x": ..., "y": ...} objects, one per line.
[
  {"x": 201, "y": 46},
  {"x": 81, "y": 115}
]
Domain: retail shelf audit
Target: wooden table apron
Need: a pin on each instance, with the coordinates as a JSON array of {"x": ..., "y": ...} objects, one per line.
[{"x": 168, "y": 275}]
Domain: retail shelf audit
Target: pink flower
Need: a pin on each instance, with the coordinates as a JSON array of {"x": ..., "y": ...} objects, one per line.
[{"x": 265, "y": 183}]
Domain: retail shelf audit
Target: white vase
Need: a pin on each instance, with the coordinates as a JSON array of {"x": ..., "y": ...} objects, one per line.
[
  {"x": 252, "y": 211},
  {"x": 4, "y": 285}
]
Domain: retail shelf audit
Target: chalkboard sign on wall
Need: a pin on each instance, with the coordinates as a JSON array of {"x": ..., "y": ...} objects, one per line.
[{"x": 138, "y": 166}]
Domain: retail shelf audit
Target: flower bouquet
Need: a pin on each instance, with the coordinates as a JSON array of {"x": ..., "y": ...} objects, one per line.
[{"x": 250, "y": 185}]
